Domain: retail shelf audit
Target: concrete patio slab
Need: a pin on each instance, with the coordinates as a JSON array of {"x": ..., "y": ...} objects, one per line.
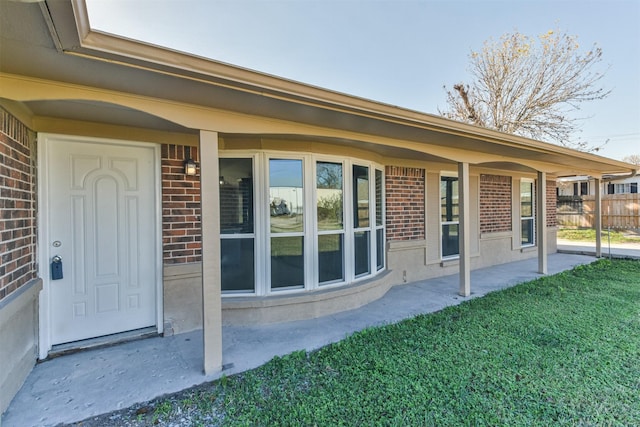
[
  {"x": 616, "y": 250},
  {"x": 93, "y": 382}
]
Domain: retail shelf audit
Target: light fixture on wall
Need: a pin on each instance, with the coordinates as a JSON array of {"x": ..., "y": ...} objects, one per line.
[{"x": 189, "y": 165}]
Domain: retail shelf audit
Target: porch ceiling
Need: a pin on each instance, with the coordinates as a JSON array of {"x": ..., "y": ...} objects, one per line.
[
  {"x": 101, "y": 112},
  {"x": 41, "y": 40}
]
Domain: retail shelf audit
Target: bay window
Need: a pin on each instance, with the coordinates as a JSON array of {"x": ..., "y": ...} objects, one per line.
[{"x": 300, "y": 234}]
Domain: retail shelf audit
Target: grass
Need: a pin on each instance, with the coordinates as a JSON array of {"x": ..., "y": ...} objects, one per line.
[
  {"x": 589, "y": 235},
  {"x": 560, "y": 350}
]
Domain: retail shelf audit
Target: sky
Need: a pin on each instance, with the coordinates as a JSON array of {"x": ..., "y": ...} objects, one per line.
[{"x": 400, "y": 52}]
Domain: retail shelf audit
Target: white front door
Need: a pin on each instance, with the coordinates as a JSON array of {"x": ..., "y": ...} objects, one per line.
[{"x": 100, "y": 218}]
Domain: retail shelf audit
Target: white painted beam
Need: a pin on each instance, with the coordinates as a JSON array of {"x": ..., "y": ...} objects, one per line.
[
  {"x": 211, "y": 276},
  {"x": 541, "y": 222},
  {"x": 598, "y": 217},
  {"x": 465, "y": 228}
]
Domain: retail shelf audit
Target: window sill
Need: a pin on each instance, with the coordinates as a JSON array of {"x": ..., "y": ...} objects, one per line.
[
  {"x": 450, "y": 261},
  {"x": 526, "y": 249}
]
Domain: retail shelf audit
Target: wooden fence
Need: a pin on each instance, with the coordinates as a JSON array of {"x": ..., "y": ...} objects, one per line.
[{"x": 619, "y": 211}]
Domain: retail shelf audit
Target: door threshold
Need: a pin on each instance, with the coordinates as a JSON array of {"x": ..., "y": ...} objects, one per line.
[{"x": 101, "y": 342}]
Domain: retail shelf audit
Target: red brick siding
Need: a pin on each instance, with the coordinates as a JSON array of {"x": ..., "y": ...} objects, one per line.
[
  {"x": 404, "y": 189},
  {"x": 495, "y": 203},
  {"x": 17, "y": 205},
  {"x": 552, "y": 219},
  {"x": 181, "y": 231}
]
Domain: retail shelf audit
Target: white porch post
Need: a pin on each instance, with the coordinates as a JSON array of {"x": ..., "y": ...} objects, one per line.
[
  {"x": 210, "y": 218},
  {"x": 465, "y": 228},
  {"x": 541, "y": 222},
  {"x": 598, "y": 217}
]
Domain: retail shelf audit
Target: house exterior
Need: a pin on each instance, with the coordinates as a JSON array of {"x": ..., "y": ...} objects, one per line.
[
  {"x": 304, "y": 201},
  {"x": 583, "y": 186},
  {"x": 620, "y": 201}
]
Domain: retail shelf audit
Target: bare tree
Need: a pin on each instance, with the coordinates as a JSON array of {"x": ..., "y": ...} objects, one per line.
[
  {"x": 634, "y": 159},
  {"x": 529, "y": 87}
]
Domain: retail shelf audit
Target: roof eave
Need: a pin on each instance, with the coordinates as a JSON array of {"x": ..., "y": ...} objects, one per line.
[{"x": 109, "y": 47}]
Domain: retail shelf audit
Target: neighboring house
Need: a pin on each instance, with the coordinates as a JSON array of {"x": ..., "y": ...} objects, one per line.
[
  {"x": 303, "y": 201},
  {"x": 583, "y": 186},
  {"x": 620, "y": 204},
  {"x": 623, "y": 186}
]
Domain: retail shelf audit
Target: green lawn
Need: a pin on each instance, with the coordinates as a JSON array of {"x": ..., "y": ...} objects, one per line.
[
  {"x": 560, "y": 350},
  {"x": 589, "y": 235}
]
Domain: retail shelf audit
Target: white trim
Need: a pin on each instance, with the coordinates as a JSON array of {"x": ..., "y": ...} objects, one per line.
[
  {"x": 253, "y": 156},
  {"x": 532, "y": 218},
  {"x": 315, "y": 283},
  {"x": 383, "y": 210},
  {"x": 44, "y": 317},
  {"x": 306, "y": 198},
  {"x": 449, "y": 174},
  {"x": 159, "y": 261},
  {"x": 43, "y": 175}
]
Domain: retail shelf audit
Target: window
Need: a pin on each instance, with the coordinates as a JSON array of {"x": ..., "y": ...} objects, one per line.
[
  {"x": 361, "y": 214},
  {"x": 304, "y": 222},
  {"x": 624, "y": 188},
  {"x": 526, "y": 213},
  {"x": 584, "y": 188},
  {"x": 379, "y": 221},
  {"x": 237, "y": 238},
  {"x": 581, "y": 188},
  {"x": 330, "y": 221},
  {"x": 449, "y": 215},
  {"x": 286, "y": 223}
]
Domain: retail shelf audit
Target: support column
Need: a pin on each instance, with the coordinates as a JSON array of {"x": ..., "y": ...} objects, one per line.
[
  {"x": 598, "y": 217},
  {"x": 210, "y": 215},
  {"x": 464, "y": 229},
  {"x": 541, "y": 222}
]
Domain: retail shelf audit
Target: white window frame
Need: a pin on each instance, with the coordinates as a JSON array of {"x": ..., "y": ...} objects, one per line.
[
  {"x": 257, "y": 240},
  {"x": 382, "y": 226},
  {"x": 307, "y": 244},
  {"x": 445, "y": 174},
  {"x": 345, "y": 209},
  {"x": 531, "y": 218}
]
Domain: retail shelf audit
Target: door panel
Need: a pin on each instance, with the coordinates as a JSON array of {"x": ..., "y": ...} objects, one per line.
[{"x": 101, "y": 214}]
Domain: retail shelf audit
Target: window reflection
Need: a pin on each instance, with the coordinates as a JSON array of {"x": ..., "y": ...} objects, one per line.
[
  {"x": 360, "y": 196},
  {"x": 329, "y": 195},
  {"x": 362, "y": 253},
  {"x": 237, "y": 250},
  {"x": 287, "y": 262},
  {"x": 526, "y": 213},
  {"x": 236, "y": 195},
  {"x": 449, "y": 215},
  {"x": 286, "y": 195},
  {"x": 330, "y": 258}
]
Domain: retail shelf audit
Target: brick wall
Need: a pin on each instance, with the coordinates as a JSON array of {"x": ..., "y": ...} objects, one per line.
[
  {"x": 17, "y": 205},
  {"x": 552, "y": 219},
  {"x": 181, "y": 231},
  {"x": 405, "y": 203},
  {"x": 495, "y": 203}
]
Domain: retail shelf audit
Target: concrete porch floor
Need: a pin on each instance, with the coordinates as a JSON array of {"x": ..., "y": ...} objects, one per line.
[{"x": 77, "y": 386}]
